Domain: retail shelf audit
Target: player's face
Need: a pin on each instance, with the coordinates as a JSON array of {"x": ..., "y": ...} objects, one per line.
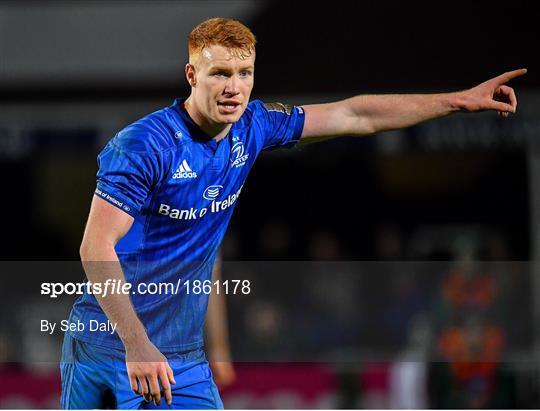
[{"x": 223, "y": 84}]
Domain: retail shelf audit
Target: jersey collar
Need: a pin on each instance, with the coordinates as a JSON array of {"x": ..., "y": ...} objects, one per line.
[{"x": 195, "y": 132}]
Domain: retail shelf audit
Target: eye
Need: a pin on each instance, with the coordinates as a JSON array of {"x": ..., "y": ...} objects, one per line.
[
  {"x": 245, "y": 73},
  {"x": 220, "y": 74}
]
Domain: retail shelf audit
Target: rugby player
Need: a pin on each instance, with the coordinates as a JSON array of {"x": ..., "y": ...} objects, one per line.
[{"x": 167, "y": 185}]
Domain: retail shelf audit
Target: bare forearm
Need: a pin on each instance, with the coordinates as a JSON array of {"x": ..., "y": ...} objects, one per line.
[
  {"x": 101, "y": 264},
  {"x": 216, "y": 329},
  {"x": 375, "y": 113},
  {"x": 369, "y": 114}
]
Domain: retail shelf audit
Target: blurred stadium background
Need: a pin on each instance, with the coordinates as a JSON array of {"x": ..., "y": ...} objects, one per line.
[{"x": 425, "y": 328}]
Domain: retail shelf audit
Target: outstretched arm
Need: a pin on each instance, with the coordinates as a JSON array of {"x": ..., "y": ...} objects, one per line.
[{"x": 368, "y": 114}]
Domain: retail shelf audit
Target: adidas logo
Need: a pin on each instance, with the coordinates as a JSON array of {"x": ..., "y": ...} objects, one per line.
[{"x": 184, "y": 171}]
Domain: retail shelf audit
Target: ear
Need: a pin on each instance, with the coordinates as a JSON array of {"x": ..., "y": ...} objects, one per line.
[{"x": 191, "y": 75}]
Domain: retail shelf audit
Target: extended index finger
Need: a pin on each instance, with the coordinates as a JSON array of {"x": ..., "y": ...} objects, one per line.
[{"x": 509, "y": 75}]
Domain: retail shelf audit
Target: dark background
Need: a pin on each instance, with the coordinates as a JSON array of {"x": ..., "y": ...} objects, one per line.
[{"x": 458, "y": 189}]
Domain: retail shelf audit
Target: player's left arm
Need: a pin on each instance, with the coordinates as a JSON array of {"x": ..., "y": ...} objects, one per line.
[
  {"x": 369, "y": 114},
  {"x": 217, "y": 332}
]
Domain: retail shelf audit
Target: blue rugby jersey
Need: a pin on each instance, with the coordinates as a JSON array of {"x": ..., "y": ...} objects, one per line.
[{"x": 181, "y": 188}]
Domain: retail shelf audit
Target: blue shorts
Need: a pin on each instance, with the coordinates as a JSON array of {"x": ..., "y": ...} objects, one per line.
[{"x": 96, "y": 377}]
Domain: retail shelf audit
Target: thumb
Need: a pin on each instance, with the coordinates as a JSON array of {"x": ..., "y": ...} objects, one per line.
[{"x": 170, "y": 375}]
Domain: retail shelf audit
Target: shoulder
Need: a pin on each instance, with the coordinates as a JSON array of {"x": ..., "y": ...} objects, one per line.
[
  {"x": 153, "y": 133},
  {"x": 259, "y": 108}
]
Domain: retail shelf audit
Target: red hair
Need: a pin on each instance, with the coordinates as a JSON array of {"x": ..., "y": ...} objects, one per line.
[{"x": 228, "y": 33}]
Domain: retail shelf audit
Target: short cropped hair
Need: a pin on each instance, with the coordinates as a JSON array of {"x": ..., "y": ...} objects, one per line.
[{"x": 228, "y": 33}]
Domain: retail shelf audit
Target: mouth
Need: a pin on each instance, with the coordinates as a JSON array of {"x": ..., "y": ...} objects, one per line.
[{"x": 229, "y": 106}]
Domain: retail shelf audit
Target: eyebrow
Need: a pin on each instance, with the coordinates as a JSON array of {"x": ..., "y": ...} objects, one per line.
[{"x": 220, "y": 68}]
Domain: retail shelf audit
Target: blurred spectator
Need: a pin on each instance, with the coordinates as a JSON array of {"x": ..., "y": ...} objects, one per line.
[
  {"x": 472, "y": 352},
  {"x": 471, "y": 340},
  {"x": 468, "y": 287}
]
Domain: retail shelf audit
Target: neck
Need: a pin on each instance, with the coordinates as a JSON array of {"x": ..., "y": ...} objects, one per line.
[{"x": 215, "y": 130}]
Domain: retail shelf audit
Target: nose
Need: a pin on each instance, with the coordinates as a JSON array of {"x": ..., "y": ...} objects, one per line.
[{"x": 231, "y": 87}]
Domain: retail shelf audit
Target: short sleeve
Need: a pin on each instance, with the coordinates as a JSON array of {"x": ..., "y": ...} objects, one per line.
[
  {"x": 126, "y": 177},
  {"x": 282, "y": 124}
]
